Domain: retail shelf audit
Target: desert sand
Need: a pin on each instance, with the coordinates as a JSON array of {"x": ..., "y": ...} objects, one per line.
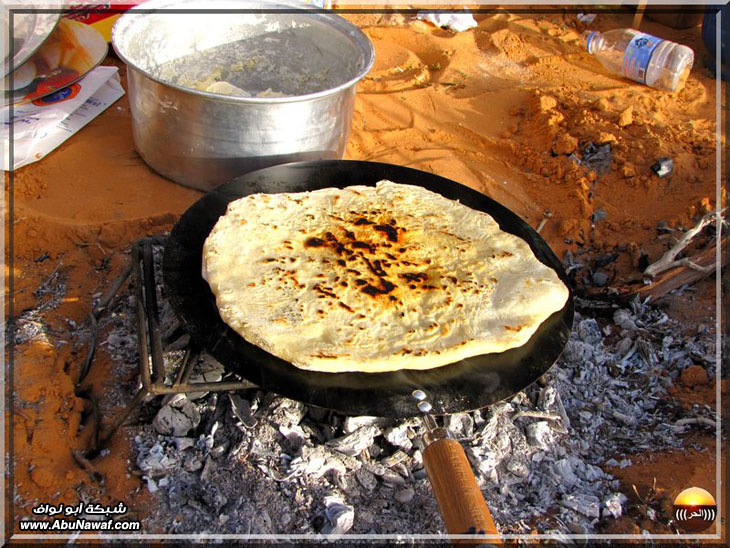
[{"x": 506, "y": 108}]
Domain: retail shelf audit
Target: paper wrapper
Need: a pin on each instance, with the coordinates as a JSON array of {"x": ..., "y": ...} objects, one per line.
[{"x": 39, "y": 127}]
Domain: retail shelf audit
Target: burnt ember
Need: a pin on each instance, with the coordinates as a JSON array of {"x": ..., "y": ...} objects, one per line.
[
  {"x": 314, "y": 242},
  {"x": 252, "y": 462},
  {"x": 391, "y": 232}
]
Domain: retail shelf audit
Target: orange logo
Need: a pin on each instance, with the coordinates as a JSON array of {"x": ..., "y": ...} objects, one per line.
[{"x": 694, "y": 510}]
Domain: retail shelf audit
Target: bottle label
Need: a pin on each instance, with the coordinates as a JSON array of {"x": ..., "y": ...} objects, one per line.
[{"x": 638, "y": 54}]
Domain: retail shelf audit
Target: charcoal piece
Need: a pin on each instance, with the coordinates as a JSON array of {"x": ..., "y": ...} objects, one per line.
[
  {"x": 518, "y": 467},
  {"x": 328, "y": 431},
  {"x": 600, "y": 278},
  {"x": 398, "y": 436},
  {"x": 587, "y": 505},
  {"x": 207, "y": 469},
  {"x": 317, "y": 413},
  {"x": 286, "y": 412},
  {"x": 589, "y": 331},
  {"x": 605, "y": 259},
  {"x": 375, "y": 468},
  {"x": 181, "y": 343},
  {"x": 193, "y": 464},
  {"x": 551, "y": 402},
  {"x": 374, "y": 451},
  {"x": 540, "y": 435},
  {"x": 598, "y": 215},
  {"x": 209, "y": 370},
  {"x": 613, "y": 505},
  {"x": 312, "y": 431},
  {"x": 218, "y": 450},
  {"x": 405, "y": 495},
  {"x": 597, "y": 157},
  {"x": 242, "y": 410},
  {"x": 643, "y": 261},
  {"x": 340, "y": 517},
  {"x": 213, "y": 498},
  {"x": 183, "y": 443},
  {"x": 294, "y": 434},
  {"x": 178, "y": 417},
  {"x": 662, "y": 227},
  {"x": 646, "y": 351},
  {"x": 353, "y": 444},
  {"x": 396, "y": 458},
  {"x": 623, "y": 346},
  {"x": 351, "y": 424},
  {"x": 663, "y": 167},
  {"x": 366, "y": 478},
  {"x": 420, "y": 474},
  {"x": 577, "y": 351},
  {"x": 460, "y": 424},
  {"x": 151, "y": 486},
  {"x": 393, "y": 478},
  {"x": 157, "y": 461},
  {"x": 624, "y": 319}
]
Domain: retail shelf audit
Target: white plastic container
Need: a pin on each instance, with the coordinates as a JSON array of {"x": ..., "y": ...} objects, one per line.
[{"x": 644, "y": 58}]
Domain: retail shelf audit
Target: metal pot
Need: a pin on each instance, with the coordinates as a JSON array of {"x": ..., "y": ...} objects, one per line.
[{"x": 204, "y": 138}]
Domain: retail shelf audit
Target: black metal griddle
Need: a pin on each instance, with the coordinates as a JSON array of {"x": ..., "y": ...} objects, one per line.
[{"x": 468, "y": 384}]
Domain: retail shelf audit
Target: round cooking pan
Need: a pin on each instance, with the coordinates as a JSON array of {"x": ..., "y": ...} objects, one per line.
[{"x": 467, "y": 384}]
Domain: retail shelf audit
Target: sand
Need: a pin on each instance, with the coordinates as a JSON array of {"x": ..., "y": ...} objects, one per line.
[{"x": 505, "y": 108}]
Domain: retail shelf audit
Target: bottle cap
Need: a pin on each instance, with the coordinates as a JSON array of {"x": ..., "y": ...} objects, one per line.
[{"x": 588, "y": 41}]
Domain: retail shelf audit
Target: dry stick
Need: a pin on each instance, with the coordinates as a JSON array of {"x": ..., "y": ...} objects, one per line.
[
  {"x": 93, "y": 317},
  {"x": 695, "y": 420},
  {"x": 536, "y": 415},
  {"x": 97, "y": 422},
  {"x": 674, "y": 278},
  {"x": 153, "y": 320},
  {"x": 545, "y": 216},
  {"x": 50, "y": 276},
  {"x": 87, "y": 466},
  {"x": 667, "y": 261},
  {"x": 139, "y": 396}
]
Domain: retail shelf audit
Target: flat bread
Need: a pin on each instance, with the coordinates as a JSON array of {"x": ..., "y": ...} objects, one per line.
[{"x": 374, "y": 279}]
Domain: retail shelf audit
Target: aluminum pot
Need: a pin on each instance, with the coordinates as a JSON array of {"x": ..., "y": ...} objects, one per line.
[{"x": 293, "y": 72}]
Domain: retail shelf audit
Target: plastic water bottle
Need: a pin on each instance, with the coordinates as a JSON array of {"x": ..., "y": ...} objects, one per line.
[{"x": 658, "y": 63}]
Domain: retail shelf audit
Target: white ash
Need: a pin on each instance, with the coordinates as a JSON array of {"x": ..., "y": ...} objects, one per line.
[
  {"x": 30, "y": 324},
  {"x": 260, "y": 463}
]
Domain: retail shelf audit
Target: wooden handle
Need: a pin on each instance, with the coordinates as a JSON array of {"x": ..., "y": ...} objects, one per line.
[{"x": 455, "y": 488}]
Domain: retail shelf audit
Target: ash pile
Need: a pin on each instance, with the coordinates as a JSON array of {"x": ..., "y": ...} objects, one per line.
[{"x": 252, "y": 462}]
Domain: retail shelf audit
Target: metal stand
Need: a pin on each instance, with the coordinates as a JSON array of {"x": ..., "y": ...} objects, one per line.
[{"x": 151, "y": 362}]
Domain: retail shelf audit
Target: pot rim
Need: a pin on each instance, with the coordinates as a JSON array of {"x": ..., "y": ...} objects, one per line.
[{"x": 152, "y": 7}]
